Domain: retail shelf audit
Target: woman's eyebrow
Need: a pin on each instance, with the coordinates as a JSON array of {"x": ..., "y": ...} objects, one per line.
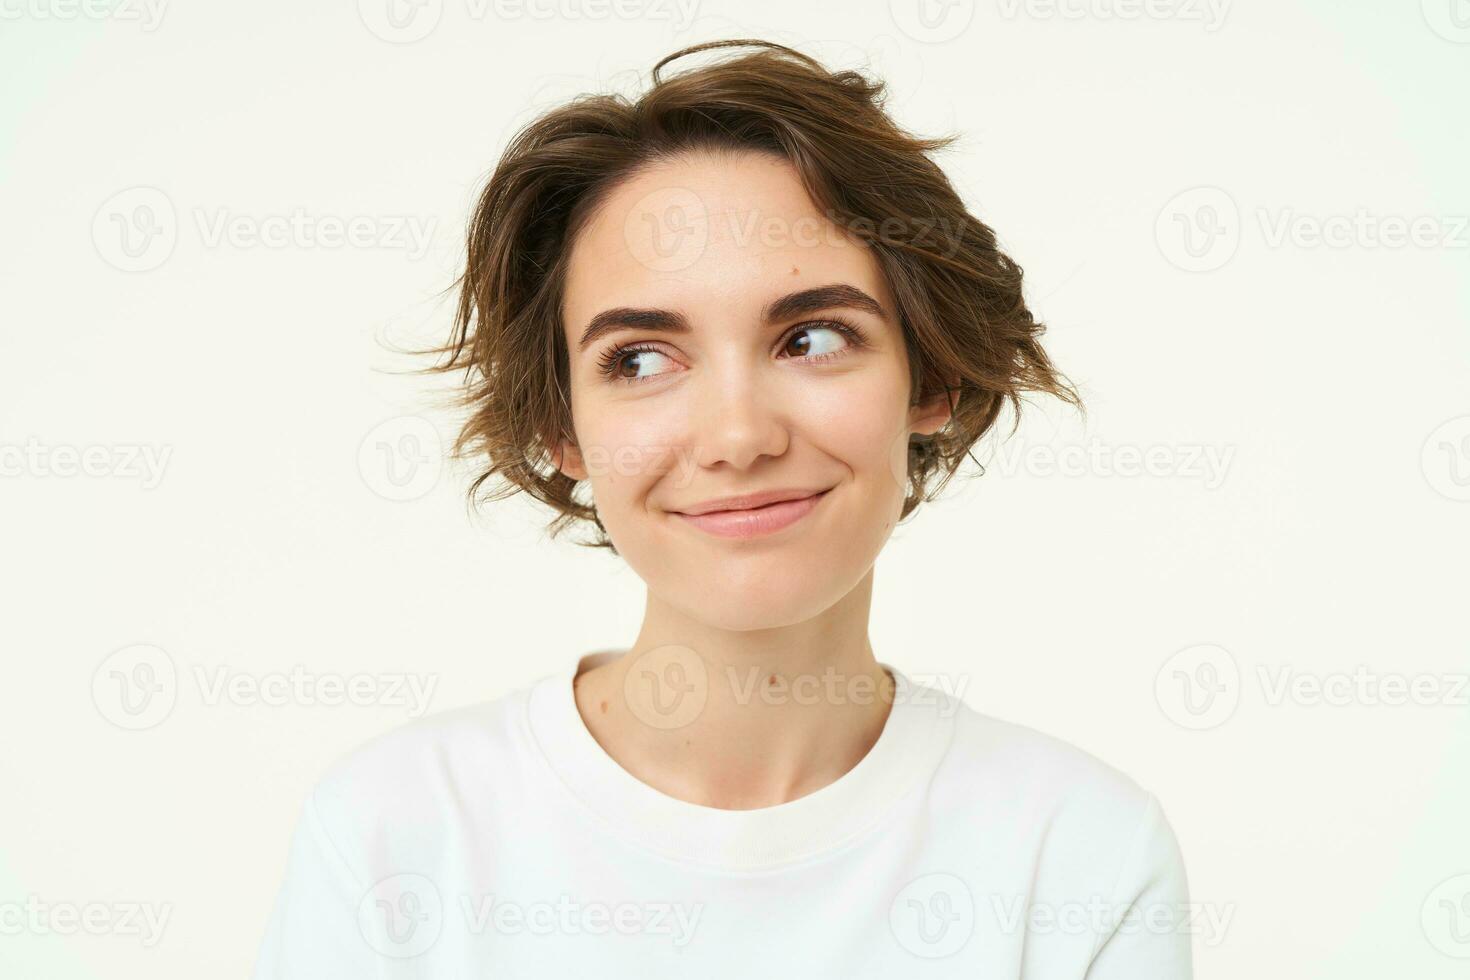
[{"x": 800, "y": 303}]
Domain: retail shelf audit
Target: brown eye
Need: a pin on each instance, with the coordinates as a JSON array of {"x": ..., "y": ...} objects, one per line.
[
  {"x": 626, "y": 361},
  {"x": 825, "y": 343},
  {"x": 615, "y": 363}
]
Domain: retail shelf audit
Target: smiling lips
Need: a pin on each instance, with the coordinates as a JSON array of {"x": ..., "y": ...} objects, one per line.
[{"x": 752, "y": 521}]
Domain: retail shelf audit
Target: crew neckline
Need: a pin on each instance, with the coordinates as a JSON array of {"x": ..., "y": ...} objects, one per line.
[{"x": 908, "y": 749}]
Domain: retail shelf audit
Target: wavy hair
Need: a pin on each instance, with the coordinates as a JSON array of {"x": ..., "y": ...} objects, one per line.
[{"x": 966, "y": 326}]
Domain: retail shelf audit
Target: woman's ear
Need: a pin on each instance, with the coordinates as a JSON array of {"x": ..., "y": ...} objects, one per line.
[
  {"x": 567, "y": 457},
  {"x": 930, "y": 415}
]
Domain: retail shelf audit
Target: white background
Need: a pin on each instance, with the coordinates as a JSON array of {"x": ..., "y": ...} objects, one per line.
[{"x": 1331, "y": 378}]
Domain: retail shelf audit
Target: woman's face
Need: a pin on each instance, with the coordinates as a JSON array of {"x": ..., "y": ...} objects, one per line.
[{"x": 724, "y": 392}]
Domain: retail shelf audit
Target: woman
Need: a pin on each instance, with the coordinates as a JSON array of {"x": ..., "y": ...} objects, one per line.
[{"x": 754, "y": 322}]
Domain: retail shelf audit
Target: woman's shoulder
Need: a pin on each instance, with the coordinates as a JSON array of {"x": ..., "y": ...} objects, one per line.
[
  {"x": 1069, "y": 837},
  {"x": 1073, "y": 822},
  {"x": 410, "y": 774},
  {"x": 998, "y": 765}
]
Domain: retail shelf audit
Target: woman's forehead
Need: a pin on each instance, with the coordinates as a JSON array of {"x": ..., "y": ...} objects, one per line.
[{"x": 716, "y": 231}]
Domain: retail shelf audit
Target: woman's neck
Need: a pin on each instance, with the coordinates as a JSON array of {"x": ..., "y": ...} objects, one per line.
[{"x": 740, "y": 719}]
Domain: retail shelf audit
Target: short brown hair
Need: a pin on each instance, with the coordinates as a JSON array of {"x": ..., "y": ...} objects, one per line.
[{"x": 959, "y": 296}]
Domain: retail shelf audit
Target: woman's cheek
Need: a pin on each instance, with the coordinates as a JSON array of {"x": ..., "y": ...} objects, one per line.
[
  {"x": 862, "y": 427},
  {"x": 618, "y": 447}
]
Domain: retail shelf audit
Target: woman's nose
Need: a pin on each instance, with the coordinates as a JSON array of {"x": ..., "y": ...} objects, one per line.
[{"x": 738, "y": 415}]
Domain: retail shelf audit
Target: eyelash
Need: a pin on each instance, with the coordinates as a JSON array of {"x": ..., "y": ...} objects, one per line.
[{"x": 608, "y": 363}]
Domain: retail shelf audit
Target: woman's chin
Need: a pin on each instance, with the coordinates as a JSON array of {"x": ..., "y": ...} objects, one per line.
[{"x": 781, "y": 598}]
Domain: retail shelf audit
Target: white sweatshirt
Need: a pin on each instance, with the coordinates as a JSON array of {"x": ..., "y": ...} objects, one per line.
[{"x": 502, "y": 841}]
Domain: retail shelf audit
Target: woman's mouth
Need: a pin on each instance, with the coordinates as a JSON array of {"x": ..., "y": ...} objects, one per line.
[{"x": 754, "y": 521}]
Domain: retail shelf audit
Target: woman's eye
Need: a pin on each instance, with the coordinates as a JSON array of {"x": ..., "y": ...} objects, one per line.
[
  {"x": 811, "y": 342},
  {"x": 617, "y": 363},
  {"x": 830, "y": 339}
]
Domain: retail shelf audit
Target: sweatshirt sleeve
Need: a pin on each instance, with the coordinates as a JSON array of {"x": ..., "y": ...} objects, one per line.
[
  {"x": 313, "y": 931},
  {"x": 1149, "y": 932}
]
